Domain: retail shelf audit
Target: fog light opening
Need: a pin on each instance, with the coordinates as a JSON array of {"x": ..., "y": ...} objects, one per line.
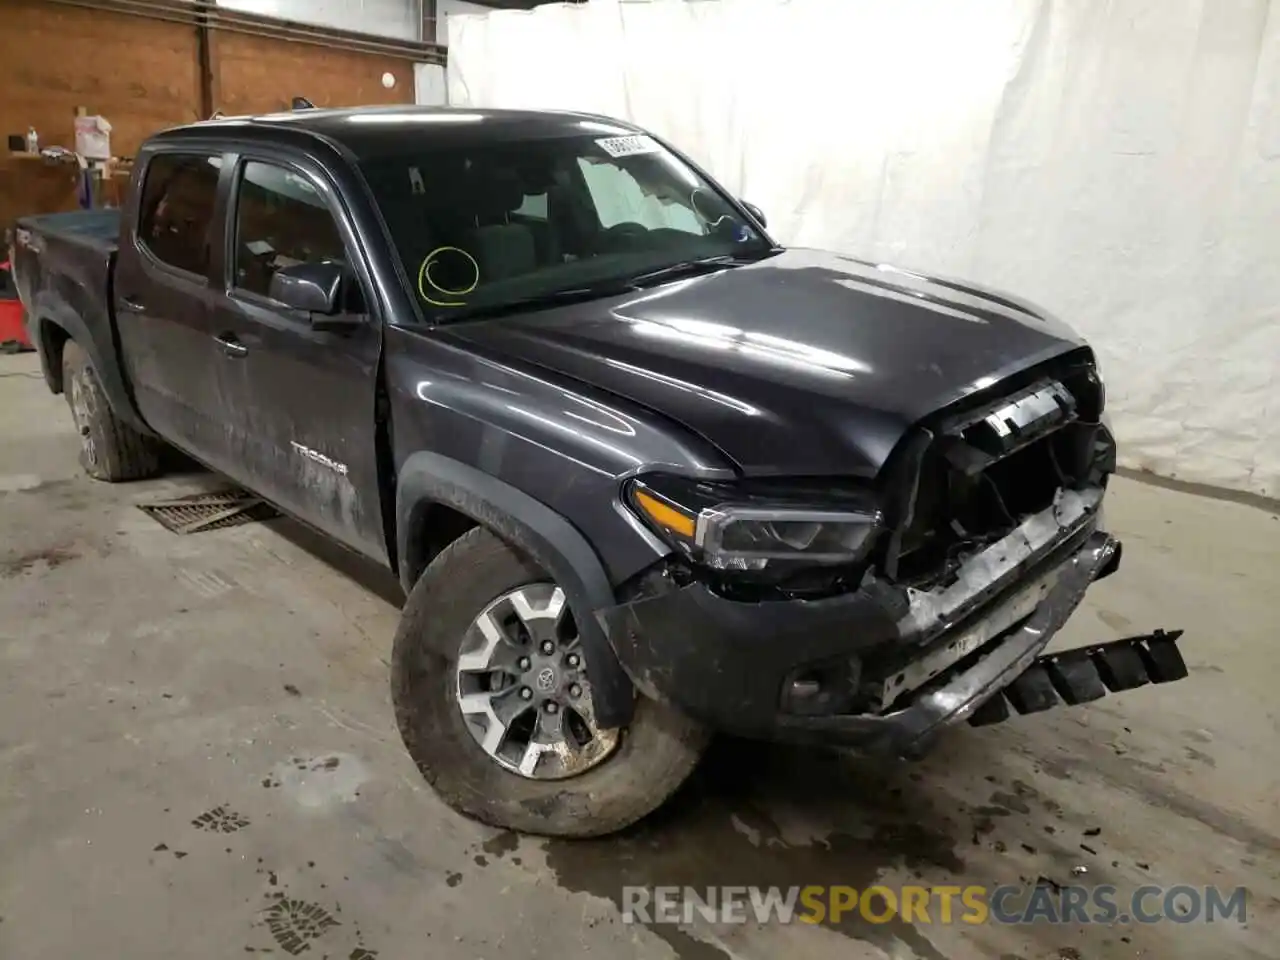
[{"x": 821, "y": 690}]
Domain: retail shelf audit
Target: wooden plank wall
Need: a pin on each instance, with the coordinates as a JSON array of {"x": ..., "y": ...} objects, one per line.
[
  {"x": 144, "y": 75},
  {"x": 140, "y": 74},
  {"x": 261, "y": 75}
]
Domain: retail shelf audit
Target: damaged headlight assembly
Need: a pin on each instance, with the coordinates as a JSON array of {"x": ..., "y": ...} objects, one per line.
[{"x": 773, "y": 528}]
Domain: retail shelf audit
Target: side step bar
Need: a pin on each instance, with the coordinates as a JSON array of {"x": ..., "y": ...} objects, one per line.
[{"x": 1087, "y": 673}]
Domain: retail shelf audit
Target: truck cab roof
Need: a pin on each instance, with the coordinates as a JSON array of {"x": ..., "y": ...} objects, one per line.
[{"x": 371, "y": 131}]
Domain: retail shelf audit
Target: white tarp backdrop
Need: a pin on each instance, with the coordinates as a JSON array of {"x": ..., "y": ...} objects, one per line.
[{"x": 1117, "y": 161}]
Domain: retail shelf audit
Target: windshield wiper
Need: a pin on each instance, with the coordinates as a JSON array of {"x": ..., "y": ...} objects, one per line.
[
  {"x": 553, "y": 298},
  {"x": 701, "y": 265},
  {"x": 606, "y": 288},
  {"x": 685, "y": 268}
]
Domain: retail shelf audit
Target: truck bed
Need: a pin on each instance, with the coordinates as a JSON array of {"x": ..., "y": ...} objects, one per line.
[
  {"x": 98, "y": 229},
  {"x": 63, "y": 264},
  {"x": 78, "y": 246}
]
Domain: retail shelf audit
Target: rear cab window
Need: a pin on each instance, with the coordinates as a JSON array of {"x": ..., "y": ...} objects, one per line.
[
  {"x": 176, "y": 212},
  {"x": 619, "y": 197}
]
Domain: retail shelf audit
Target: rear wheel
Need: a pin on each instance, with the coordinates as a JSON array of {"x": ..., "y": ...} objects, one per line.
[
  {"x": 492, "y": 693},
  {"x": 110, "y": 449}
]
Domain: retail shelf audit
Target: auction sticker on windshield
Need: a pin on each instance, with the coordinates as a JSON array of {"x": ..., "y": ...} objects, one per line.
[{"x": 627, "y": 146}]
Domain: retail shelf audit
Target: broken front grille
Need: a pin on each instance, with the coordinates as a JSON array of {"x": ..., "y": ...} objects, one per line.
[{"x": 970, "y": 477}]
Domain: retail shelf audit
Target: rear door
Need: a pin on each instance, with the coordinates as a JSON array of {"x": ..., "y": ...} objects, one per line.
[
  {"x": 299, "y": 405},
  {"x": 163, "y": 298}
]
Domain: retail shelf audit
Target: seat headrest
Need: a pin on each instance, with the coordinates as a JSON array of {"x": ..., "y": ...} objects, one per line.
[{"x": 496, "y": 193}]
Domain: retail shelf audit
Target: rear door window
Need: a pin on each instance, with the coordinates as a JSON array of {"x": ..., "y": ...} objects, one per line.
[
  {"x": 175, "y": 222},
  {"x": 534, "y": 207}
]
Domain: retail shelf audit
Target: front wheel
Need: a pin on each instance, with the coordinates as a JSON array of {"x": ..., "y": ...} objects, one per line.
[{"x": 492, "y": 694}]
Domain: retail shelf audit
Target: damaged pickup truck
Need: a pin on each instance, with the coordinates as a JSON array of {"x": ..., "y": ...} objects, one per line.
[{"x": 643, "y": 473}]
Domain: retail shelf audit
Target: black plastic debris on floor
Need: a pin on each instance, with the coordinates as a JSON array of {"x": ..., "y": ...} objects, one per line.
[{"x": 209, "y": 511}]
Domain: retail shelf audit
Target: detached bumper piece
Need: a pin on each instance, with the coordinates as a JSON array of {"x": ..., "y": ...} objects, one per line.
[{"x": 1086, "y": 674}]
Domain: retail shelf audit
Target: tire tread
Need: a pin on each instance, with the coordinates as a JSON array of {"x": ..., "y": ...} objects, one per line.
[
  {"x": 122, "y": 453},
  {"x": 655, "y": 755}
]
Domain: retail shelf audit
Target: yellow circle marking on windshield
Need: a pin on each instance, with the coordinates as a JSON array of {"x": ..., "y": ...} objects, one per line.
[{"x": 424, "y": 278}]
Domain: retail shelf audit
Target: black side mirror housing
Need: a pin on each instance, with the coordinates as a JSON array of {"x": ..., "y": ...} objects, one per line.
[
  {"x": 756, "y": 212},
  {"x": 314, "y": 289}
]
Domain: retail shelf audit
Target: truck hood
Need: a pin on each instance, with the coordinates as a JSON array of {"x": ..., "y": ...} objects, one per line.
[{"x": 807, "y": 363}]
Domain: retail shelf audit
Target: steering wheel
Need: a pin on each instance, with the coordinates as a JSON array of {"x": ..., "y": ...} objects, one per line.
[
  {"x": 628, "y": 228},
  {"x": 623, "y": 235},
  {"x": 713, "y": 226}
]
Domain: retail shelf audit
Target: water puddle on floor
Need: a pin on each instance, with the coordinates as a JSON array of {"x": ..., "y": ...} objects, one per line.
[{"x": 716, "y": 832}]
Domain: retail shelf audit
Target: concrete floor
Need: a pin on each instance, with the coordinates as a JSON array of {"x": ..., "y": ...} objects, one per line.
[{"x": 198, "y": 759}]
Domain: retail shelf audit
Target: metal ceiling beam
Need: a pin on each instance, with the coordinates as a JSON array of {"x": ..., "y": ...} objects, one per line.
[
  {"x": 519, "y": 4},
  {"x": 203, "y": 14}
]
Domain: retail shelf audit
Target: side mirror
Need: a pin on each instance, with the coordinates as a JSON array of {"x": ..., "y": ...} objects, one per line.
[
  {"x": 756, "y": 212},
  {"x": 314, "y": 289}
]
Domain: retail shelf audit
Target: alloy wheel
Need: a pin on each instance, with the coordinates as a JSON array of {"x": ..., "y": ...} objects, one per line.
[{"x": 523, "y": 688}]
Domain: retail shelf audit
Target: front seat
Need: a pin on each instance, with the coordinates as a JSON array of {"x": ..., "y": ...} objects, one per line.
[{"x": 502, "y": 249}]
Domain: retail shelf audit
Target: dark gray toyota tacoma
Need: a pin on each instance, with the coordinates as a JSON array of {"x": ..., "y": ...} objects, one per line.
[{"x": 643, "y": 473}]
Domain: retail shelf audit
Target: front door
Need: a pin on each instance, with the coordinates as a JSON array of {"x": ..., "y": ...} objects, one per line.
[{"x": 299, "y": 403}]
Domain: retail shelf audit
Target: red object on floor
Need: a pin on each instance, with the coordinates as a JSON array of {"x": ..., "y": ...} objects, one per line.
[{"x": 11, "y": 329}]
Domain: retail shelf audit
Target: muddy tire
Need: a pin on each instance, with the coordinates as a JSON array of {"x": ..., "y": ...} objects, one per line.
[
  {"x": 109, "y": 448},
  {"x": 634, "y": 771}
]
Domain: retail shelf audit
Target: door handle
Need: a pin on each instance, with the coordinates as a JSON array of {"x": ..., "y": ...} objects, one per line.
[
  {"x": 132, "y": 304},
  {"x": 231, "y": 346}
]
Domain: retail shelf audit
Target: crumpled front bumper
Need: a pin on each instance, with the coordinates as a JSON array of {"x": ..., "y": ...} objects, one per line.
[
  {"x": 725, "y": 663},
  {"x": 908, "y": 729}
]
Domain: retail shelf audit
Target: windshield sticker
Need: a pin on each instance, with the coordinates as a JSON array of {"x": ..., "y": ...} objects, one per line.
[
  {"x": 628, "y": 146},
  {"x": 458, "y": 260},
  {"x": 415, "y": 181}
]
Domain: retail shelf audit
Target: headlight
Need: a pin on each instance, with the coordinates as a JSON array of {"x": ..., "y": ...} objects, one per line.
[{"x": 727, "y": 527}]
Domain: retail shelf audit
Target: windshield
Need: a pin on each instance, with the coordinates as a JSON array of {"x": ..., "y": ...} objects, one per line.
[{"x": 482, "y": 225}]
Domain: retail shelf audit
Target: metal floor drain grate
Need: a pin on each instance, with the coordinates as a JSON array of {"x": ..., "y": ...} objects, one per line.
[{"x": 209, "y": 511}]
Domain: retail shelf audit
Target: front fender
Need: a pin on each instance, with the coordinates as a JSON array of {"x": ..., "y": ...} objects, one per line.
[{"x": 553, "y": 543}]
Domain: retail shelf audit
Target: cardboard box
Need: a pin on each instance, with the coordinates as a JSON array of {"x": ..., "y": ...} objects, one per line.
[{"x": 93, "y": 138}]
